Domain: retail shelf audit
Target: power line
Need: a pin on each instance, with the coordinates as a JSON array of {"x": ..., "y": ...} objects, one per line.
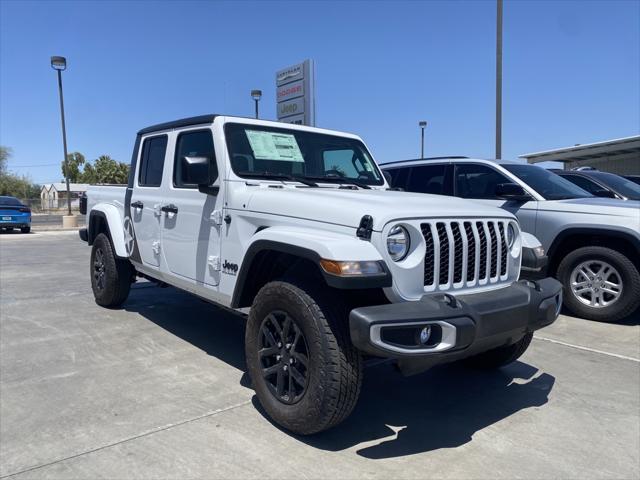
[{"x": 33, "y": 166}]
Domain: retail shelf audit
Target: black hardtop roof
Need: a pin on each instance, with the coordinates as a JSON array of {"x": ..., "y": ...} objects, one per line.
[
  {"x": 183, "y": 122},
  {"x": 396, "y": 162}
]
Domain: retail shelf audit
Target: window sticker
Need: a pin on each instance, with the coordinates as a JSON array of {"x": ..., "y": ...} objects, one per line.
[{"x": 274, "y": 146}]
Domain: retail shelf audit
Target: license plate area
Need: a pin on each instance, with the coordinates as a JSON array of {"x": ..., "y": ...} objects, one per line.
[{"x": 8, "y": 219}]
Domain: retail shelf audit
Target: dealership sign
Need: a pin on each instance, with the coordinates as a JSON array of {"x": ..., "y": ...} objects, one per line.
[{"x": 295, "y": 94}]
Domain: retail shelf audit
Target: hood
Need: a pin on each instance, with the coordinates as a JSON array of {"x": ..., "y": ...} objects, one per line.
[
  {"x": 347, "y": 207},
  {"x": 594, "y": 206}
]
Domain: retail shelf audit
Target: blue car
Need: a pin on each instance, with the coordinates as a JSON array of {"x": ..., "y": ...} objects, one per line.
[{"x": 13, "y": 214}]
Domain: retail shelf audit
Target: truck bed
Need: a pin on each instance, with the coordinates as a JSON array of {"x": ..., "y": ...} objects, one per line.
[{"x": 111, "y": 194}]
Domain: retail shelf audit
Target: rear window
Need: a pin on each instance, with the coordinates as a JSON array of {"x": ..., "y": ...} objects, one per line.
[
  {"x": 10, "y": 201},
  {"x": 152, "y": 162}
]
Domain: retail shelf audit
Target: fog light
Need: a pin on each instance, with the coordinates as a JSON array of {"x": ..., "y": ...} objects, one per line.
[{"x": 425, "y": 334}]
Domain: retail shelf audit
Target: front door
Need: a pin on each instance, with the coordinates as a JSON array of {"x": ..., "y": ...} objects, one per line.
[
  {"x": 191, "y": 229},
  {"x": 478, "y": 182},
  {"x": 143, "y": 219}
]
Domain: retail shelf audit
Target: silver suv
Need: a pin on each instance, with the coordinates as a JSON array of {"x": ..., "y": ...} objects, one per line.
[{"x": 593, "y": 244}]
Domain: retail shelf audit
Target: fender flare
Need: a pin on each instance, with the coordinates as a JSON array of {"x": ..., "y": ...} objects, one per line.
[
  {"x": 314, "y": 246},
  {"x": 607, "y": 232},
  {"x": 115, "y": 228}
]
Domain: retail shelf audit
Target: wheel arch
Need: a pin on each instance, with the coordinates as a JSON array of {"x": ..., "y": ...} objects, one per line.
[
  {"x": 573, "y": 238},
  {"x": 107, "y": 219},
  {"x": 269, "y": 259}
]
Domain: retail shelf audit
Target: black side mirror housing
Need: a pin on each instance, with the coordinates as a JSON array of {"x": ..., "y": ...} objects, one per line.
[
  {"x": 201, "y": 171},
  {"x": 604, "y": 193},
  {"x": 512, "y": 191},
  {"x": 387, "y": 177}
]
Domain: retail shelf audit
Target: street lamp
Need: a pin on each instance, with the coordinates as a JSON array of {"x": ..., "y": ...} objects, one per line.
[
  {"x": 256, "y": 94},
  {"x": 422, "y": 124},
  {"x": 59, "y": 64},
  {"x": 498, "y": 79}
]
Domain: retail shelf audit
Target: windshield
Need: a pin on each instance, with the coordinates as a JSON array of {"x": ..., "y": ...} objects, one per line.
[
  {"x": 12, "y": 201},
  {"x": 257, "y": 151},
  {"x": 546, "y": 183},
  {"x": 620, "y": 184}
]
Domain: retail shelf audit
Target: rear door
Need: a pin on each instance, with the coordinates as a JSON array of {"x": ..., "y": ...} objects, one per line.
[
  {"x": 146, "y": 199},
  {"x": 190, "y": 229},
  {"x": 430, "y": 178}
]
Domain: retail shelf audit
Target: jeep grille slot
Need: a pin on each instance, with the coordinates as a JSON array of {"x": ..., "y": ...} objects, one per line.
[{"x": 462, "y": 254}]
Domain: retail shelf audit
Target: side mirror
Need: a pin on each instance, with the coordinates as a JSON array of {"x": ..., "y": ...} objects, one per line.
[
  {"x": 512, "y": 191},
  {"x": 387, "y": 177},
  {"x": 201, "y": 171},
  {"x": 604, "y": 193}
]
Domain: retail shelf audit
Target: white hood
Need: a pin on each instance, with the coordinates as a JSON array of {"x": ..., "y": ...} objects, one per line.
[{"x": 347, "y": 207}]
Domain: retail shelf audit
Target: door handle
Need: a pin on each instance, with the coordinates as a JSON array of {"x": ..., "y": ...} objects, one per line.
[
  {"x": 171, "y": 208},
  {"x": 137, "y": 204}
]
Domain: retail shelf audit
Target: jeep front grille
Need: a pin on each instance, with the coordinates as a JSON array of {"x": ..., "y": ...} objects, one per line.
[{"x": 463, "y": 254}]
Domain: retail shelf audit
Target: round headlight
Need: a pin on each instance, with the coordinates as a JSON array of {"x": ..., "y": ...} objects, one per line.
[
  {"x": 398, "y": 243},
  {"x": 511, "y": 235}
]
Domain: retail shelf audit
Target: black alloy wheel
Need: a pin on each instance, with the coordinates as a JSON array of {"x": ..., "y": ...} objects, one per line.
[
  {"x": 284, "y": 357},
  {"x": 99, "y": 269}
]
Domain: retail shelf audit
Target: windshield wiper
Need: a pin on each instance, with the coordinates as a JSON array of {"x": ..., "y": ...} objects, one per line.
[
  {"x": 338, "y": 179},
  {"x": 279, "y": 176}
]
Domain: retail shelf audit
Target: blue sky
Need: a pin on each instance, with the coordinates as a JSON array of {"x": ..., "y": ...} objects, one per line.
[{"x": 571, "y": 71}]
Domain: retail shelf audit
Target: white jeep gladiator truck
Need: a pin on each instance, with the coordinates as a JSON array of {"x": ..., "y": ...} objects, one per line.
[{"x": 299, "y": 224}]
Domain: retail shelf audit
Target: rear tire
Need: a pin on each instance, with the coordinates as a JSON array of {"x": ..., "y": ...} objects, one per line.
[
  {"x": 25, "y": 229},
  {"x": 621, "y": 271},
  {"x": 501, "y": 356},
  {"x": 9, "y": 229},
  {"x": 110, "y": 276},
  {"x": 326, "y": 389}
]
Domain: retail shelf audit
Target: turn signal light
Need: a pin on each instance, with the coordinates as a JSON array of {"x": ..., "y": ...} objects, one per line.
[{"x": 349, "y": 268}]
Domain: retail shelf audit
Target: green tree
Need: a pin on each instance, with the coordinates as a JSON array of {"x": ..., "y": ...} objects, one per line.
[
  {"x": 105, "y": 170},
  {"x": 5, "y": 153},
  {"x": 75, "y": 161},
  {"x": 12, "y": 184}
]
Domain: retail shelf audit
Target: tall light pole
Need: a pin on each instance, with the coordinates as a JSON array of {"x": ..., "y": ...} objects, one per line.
[
  {"x": 256, "y": 94},
  {"x": 59, "y": 64},
  {"x": 422, "y": 124},
  {"x": 498, "y": 79}
]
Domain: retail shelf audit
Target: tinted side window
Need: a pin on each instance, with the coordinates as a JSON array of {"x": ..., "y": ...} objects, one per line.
[
  {"x": 429, "y": 179},
  {"x": 583, "y": 183},
  {"x": 191, "y": 144},
  {"x": 152, "y": 163},
  {"x": 399, "y": 177},
  {"x": 478, "y": 181}
]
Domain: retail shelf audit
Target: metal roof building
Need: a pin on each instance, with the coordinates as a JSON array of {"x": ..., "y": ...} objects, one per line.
[{"x": 621, "y": 156}]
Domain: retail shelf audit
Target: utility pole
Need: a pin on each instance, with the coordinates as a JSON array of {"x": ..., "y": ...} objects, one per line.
[{"x": 498, "y": 79}]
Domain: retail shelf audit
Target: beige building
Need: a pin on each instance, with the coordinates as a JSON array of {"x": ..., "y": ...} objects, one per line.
[
  {"x": 621, "y": 156},
  {"x": 54, "y": 195}
]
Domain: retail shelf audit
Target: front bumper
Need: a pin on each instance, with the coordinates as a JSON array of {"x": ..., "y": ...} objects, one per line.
[{"x": 460, "y": 326}]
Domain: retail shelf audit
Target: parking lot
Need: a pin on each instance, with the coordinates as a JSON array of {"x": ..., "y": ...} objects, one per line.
[{"x": 158, "y": 390}]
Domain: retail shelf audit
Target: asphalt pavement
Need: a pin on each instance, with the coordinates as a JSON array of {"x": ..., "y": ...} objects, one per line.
[{"x": 158, "y": 389}]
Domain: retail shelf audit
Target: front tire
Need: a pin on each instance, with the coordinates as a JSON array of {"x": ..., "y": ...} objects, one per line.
[
  {"x": 110, "y": 276},
  {"x": 304, "y": 369},
  {"x": 501, "y": 356},
  {"x": 599, "y": 284},
  {"x": 25, "y": 229}
]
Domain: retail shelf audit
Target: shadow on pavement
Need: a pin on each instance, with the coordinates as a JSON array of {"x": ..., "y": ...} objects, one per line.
[
  {"x": 441, "y": 408},
  {"x": 631, "y": 320},
  {"x": 214, "y": 330}
]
